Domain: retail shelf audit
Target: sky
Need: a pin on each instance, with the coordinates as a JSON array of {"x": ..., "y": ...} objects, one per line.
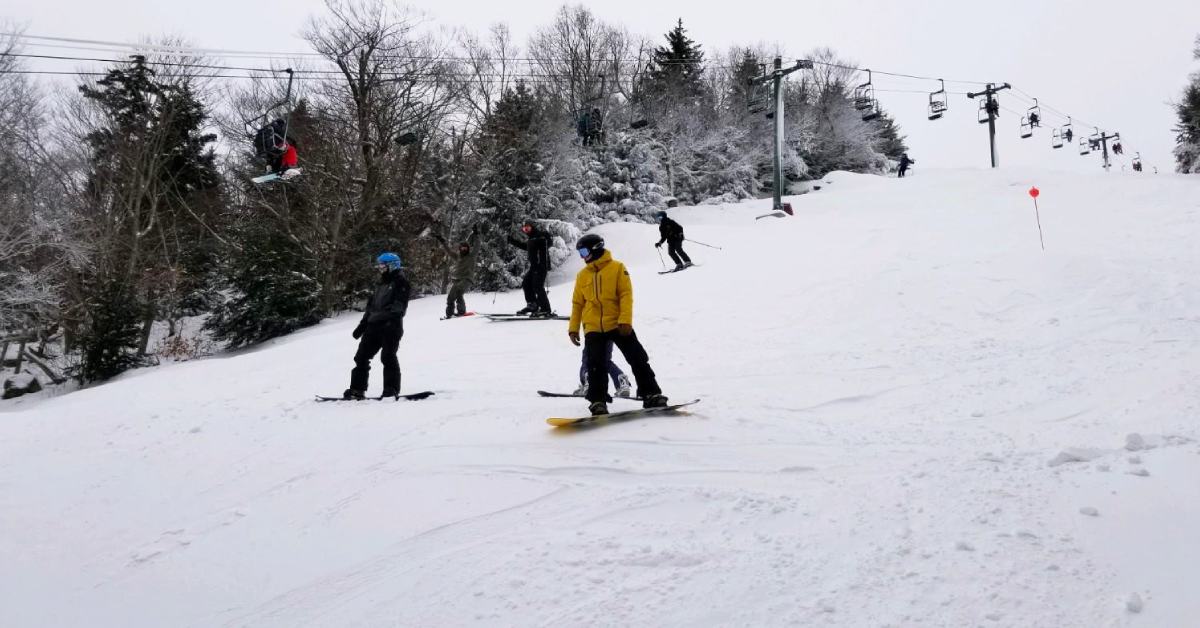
[{"x": 1113, "y": 64}]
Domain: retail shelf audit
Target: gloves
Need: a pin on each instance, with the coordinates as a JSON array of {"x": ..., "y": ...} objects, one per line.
[
  {"x": 574, "y": 336},
  {"x": 624, "y": 329},
  {"x": 657, "y": 244},
  {"x": 358, "y": 331}
]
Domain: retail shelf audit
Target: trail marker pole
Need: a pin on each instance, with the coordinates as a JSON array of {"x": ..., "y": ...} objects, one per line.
[{"x": 1034, "y": 192}]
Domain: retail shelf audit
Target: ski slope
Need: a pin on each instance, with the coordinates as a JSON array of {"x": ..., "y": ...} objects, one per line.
[{"x": 911, "y": 416}]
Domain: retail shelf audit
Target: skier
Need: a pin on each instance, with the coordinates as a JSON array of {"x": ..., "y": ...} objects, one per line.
[
  {"x": 603, "y": 304},
  {"x": 619, "y": 380},
  {"x": 537, "y": 246},
  {"x": 463, "y": 275},
  {"x": 273, "y": 144},
  {"x": 905, "y": 162},
  {"x": 1069, "y": 135},
  {"x": 672, "y": 234},
  {"x": 1035, "y": 120},
  {"x": 380, "y": 329}
]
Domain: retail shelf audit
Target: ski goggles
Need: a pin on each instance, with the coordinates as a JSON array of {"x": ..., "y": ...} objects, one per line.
[{"x": 584, "y": 252}]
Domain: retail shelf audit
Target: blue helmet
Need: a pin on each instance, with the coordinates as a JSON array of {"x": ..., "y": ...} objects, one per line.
[{"x": 391, "y": 260}]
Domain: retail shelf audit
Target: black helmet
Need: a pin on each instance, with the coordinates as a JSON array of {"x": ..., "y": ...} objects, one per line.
[{"x": 590, "y": 247}]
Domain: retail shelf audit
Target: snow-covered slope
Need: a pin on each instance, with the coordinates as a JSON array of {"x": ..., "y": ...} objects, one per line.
[{"x": 911, "y": 416}]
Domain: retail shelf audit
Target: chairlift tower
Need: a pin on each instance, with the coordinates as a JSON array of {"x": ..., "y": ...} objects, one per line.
[
  {"x": 1104, "y": 138},
  {"x": 991, "y": 106},
  {"x": 775, "y": 78}
]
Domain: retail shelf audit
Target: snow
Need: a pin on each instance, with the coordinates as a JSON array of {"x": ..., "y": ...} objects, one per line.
[{"x": 884, "y": 378}]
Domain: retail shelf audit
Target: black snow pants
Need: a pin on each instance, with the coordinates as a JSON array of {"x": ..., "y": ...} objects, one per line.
[
  {"x": 596, "y": 343},
  {"x": 675, "y": 250},
  {"x": 455, "y": 303},
  {"x": 383, "y": 339},
  {"x": 534, "y": 285}
]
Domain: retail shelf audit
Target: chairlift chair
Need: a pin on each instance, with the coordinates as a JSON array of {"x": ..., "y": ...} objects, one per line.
[
  {"x": 1056, "y": 139},
  {"x": 1026, "y": 127},
  {"x": 864, "y": 96},
  {"x": 1035, "y": 114},
  {"x": 873, "y": 112},
  {"x": 1085, "y": 146},
  {"x": 1137, "y": 162},
  {"x": 983, "y": 112},
  {"x": 1067, "y": 133},
  {"x": 269, "y": 135},
  {"x": 937, "y": 102}
]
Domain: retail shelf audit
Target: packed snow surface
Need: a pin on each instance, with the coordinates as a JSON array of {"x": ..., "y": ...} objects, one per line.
[{"x": 911, "y": 415}]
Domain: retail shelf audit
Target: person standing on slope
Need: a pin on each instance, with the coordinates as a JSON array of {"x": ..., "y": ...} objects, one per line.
[
  {"x": 537, "y": 247},
  {"x": 905, "y": 162},
  {"x": 619, "y": 379},
  {"x": 380, "y": 330},
  {"x": 461, "y": 278},
  {"x": 672, "y": 234},
  {"x": 603, "y": 304}
]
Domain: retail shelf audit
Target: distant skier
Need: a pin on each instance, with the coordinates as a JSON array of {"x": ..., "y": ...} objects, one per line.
[
  {"x": 1035, "y": 120},
  {"x": 619, "y": 380},
  {"x": 603, "y": 304},
  {"x": 537, "y": 246},
  {"x": 1069, "y": 135},
  {"x": 671, "y": 232},
  {"x": 905, "y": 162},
  {"x": 461, "y": 279},
  {"x": 380, "y": 330}
]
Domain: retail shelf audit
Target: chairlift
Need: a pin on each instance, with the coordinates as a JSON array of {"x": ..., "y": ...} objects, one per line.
[
  {"x": 873, "y": 112},
  {"x": 864, "y": 96},
  {"x": 983, "y": 112},
  {"x": 1026, "y": 127},
  {"x": 1067, "y": 133},
  {"x": 758, "y": 92},
  {"x": 1137, "y": 162},
  {"x": 937, "y": 102},
  {"x": 1035, "y": 114},
  {"x": 1085, "y": 146},
  {"x": 1056, "y": 139},
  {"x": 270, "y": 136}
]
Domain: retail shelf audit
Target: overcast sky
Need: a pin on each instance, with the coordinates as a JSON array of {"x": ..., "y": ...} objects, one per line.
[{"x": 1117, "y": 64}]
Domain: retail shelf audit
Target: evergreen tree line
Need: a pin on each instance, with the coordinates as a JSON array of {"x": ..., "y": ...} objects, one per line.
[{"x": 128, "y": 206}]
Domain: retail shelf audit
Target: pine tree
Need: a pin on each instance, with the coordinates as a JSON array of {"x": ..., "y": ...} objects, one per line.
[
  {"x": 152, "y": 183},
  {"x": 678, "y": 70},
  {"x": 887, "y": 137},
  {"x": 1187, "y": 138}
]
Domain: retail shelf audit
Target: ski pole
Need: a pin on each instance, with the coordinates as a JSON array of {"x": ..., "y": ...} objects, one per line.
[
  {"x": 1034, "y": 192},
  {"x": 660, "y": 257},
  {"x": 703, "y": 244}
]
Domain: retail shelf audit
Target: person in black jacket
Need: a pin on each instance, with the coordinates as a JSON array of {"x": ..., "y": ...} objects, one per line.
[
  {"x": 905, "y": 162},
  {"x": 672, "y": 234},
  {"x": 537, "y": 246},
  {"x": 380, "y": 330}
]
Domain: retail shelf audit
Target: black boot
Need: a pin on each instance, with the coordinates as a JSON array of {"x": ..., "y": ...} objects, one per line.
[
  {"x": 598, "y": 408},
  {"x": 356, "y": 395},
  {"x": 655, "y": 401}
]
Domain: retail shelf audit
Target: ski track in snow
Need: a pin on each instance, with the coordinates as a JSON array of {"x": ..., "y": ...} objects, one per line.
[{"x": 911, "y": 416}]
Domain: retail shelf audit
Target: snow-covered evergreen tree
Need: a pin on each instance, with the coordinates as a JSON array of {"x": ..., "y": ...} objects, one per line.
[{"x": 1187, "y": 129}]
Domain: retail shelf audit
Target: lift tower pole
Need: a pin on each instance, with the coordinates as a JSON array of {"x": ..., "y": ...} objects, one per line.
[
  {"x": 1104, "y": 138},
  {"x": 775, "y": 77},
  {"x": 992, "y": 107}
]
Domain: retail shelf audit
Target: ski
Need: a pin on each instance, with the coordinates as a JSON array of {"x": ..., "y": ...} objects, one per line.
[
  {"x": 675, "y": 270},
  {"x": 446, "y": 318},
  {"x": 625, "y": 414},
  {"x": 410, "y": 397},
  {"x": 267, "y": 178},
  {"x": 545, "y": 393},
  {"x": 509, "y": 317}
]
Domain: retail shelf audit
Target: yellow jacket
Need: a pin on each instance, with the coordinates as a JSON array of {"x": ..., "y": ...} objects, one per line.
[{"x": 603, "y": 296}]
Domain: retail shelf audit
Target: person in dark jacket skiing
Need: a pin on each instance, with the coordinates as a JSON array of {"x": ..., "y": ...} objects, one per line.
[
  {"x": 461, "y": 279},
  {"x": 672, "y": 234},
  {"x": 380, "y": 330},
  {"x": 537, "y": 246},
  {"x": 905, "y": 162}
]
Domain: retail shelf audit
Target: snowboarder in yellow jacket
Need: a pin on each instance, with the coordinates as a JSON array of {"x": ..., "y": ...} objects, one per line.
[{"x": 603, "y": 304}]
